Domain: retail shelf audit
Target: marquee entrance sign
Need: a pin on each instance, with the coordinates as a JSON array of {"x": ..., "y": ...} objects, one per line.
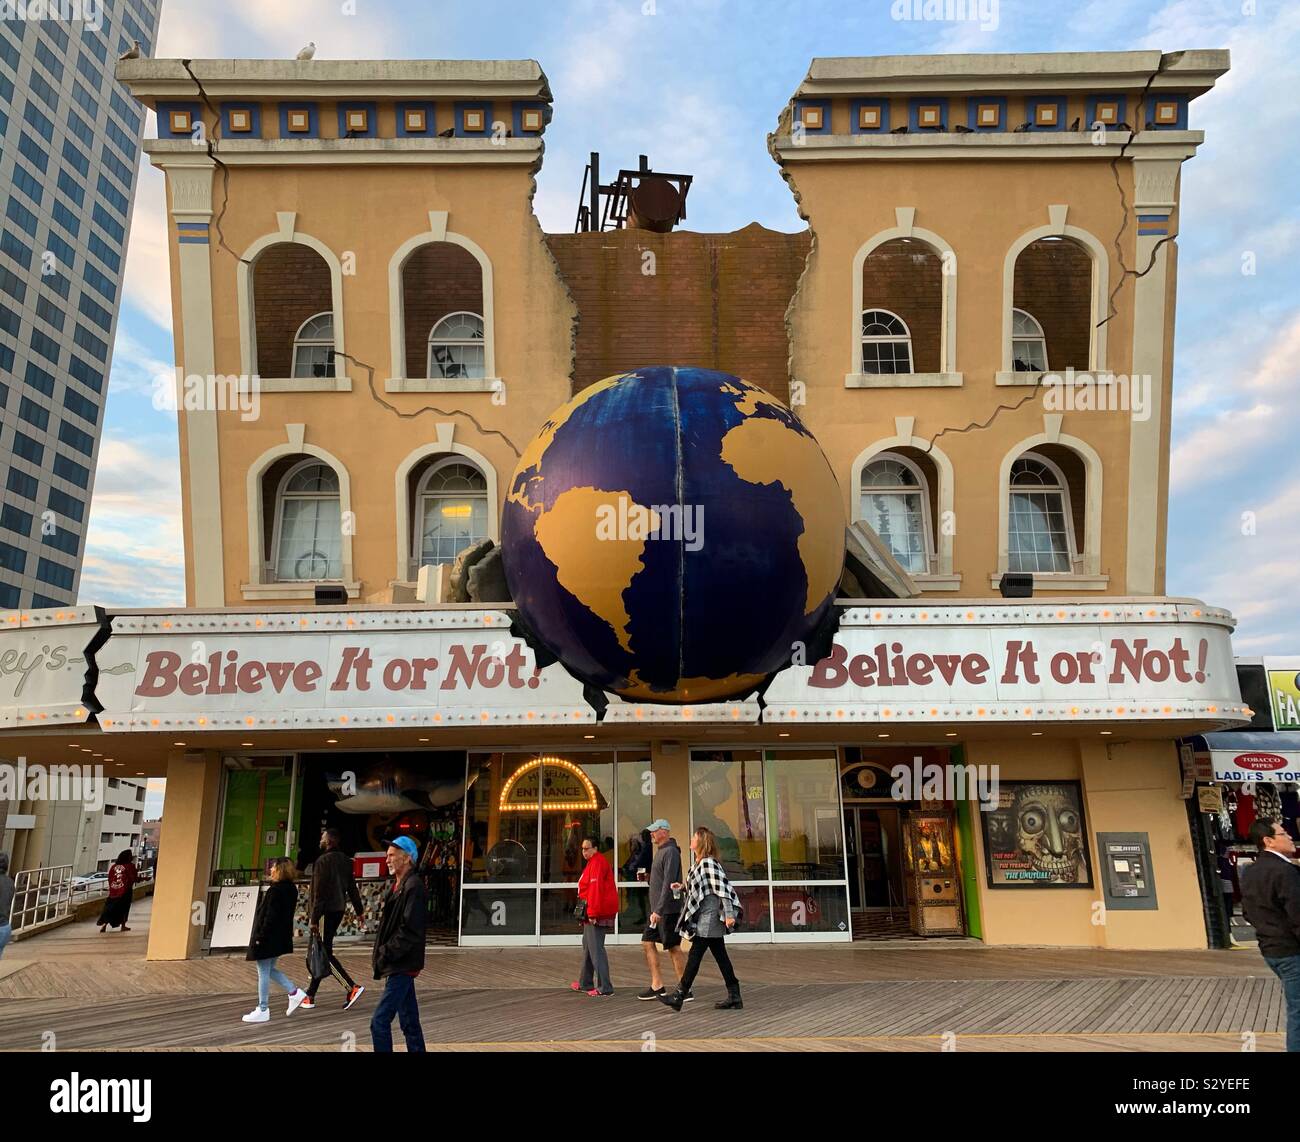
[
  {"x": 1137, "y": 660},
  {"x": 1108, "y": 660},
  {"x": 360, "y": 669},
  {"x": 43, "y": 664}
]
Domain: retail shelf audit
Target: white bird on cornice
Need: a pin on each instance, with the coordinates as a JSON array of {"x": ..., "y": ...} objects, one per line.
[
  {"x": 308, "y": 51},
  {"x": 133, "y": 52}
]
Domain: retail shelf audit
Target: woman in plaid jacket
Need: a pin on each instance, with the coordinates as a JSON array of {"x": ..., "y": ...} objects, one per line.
[{"x": 712, "y": 910}]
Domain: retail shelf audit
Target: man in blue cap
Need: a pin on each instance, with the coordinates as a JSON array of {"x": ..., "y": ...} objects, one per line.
[{"x": 399, "y": 949}]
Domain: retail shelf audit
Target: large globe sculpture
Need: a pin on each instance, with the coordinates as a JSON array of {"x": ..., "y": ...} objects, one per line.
[{"x": 672, "y": 534}]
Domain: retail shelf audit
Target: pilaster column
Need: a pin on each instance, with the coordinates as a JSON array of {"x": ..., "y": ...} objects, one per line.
[
  {"x": 189, "y": 181},
  {"x": 184, "y": 853},
  {"x": 1155, "y": 183}
]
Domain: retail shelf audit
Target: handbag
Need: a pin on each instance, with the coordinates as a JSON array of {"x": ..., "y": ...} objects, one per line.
[
  {"x": 318, "y": 963},
  {"x": 580, "y": 910}
]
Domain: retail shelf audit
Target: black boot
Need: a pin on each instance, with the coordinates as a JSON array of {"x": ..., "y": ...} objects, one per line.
[
  {"x": 733, "y": 999},
  {"x": 675, "y": 1000}
]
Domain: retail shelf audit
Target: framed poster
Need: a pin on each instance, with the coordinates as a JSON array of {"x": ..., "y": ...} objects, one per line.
[{"x": 1036, "y": 837}]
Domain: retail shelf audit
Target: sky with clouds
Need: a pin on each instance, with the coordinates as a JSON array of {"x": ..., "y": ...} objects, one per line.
[{"x": 696, "y": 85}]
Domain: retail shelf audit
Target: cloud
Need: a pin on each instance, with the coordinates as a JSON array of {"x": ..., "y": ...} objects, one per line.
[
  {"x": 134, "y": 548},
  {"x": 1233, "y": 436}
]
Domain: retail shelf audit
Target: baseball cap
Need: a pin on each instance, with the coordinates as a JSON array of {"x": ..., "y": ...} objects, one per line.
[
  {"x": 408, "y": 846},
  {"x": 659, "y": 824}
]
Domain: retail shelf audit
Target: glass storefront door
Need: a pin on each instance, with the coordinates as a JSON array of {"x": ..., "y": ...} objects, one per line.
[
  {"x": 525, "y": 817},
  {"x": 776, "y": 815}
]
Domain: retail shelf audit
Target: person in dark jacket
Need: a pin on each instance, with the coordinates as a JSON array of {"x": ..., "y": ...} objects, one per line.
[
  {"x": 332, "y": 887},
  {"x": 121, "y": 885},
  {"x": 398, "y": 954},
  {"x": 665, "y": 909},
  {"x": 1270, "y": 900},
  {"x": 272, "y": 938}
]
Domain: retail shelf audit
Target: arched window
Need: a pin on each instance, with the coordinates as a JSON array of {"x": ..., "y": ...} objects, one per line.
[
  {"x": 1040, "y": 535},
  {"x": 456, "y": 347},
  {"x": 886, "y": 343},
  {"x": 308, "y": 524},
  {"x": 313, "y": 347},
  {"x": 1054, "y": 278},
  {"x": 1028, "y": 343},
  {"x": 451, "y": 511},
  {"x": 896, "y": 503},
  {"x": 285, "y": 289}
]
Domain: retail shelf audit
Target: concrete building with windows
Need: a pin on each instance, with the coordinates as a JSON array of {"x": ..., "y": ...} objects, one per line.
[
  {"x": 68, "y": 172},
  {"x": 358, "y": 249}
]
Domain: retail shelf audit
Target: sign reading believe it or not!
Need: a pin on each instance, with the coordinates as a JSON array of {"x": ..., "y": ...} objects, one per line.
[
  {"x": 1139, "y": 661},
  {"x": 43, "y": 665},
  {"x": 341, "y": 670}
]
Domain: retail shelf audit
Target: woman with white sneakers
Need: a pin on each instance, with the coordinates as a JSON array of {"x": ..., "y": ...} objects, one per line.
[{"x": 272, "y": 938}]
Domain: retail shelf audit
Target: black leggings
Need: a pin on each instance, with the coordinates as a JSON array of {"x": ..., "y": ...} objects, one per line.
[
  {"x": 337, "y": 970},
  {"x": 717, "y": 945}
]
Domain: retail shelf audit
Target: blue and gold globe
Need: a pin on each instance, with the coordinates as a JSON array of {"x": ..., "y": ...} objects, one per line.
[{"x": 671, "y": 535}]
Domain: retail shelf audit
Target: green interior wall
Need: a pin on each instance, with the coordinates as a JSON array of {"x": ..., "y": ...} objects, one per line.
[
  {"x": 242, "y": 835},
  {"x": 966, "y": 826}
]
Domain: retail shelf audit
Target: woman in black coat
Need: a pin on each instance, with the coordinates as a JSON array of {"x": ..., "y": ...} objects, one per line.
[{"x": 273, "y": 938}]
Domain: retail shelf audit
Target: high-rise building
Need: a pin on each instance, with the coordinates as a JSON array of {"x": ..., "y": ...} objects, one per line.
[{"x": 68, "y": 169}]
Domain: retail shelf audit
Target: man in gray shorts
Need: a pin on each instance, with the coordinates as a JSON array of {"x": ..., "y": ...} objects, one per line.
[{"x": 664, "y": 910}]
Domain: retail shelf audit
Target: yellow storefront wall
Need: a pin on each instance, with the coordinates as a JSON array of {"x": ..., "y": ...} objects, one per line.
[{"x": 1127, "y": 787}]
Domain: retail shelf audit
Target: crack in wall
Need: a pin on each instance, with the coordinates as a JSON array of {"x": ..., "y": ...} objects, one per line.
[{"x": 210, "y": 141}]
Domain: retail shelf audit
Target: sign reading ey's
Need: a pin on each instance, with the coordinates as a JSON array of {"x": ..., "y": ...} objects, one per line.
[
  {"x": 362, "y": 669},
  {"x": 911, "y": 663},
  {"x": 43, "y": 666}
]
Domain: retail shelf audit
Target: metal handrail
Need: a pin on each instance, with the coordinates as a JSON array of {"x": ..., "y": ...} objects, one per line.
[{"x": 41, "y": 895}]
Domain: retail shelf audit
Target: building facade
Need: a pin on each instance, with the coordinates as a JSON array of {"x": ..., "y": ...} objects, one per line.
[
  {"x": 69, "y": 170},
  {"x": 372, "y": 331}
]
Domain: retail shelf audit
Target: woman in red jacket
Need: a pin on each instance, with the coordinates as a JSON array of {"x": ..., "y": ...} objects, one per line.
[{"x": 597, "y": 891}]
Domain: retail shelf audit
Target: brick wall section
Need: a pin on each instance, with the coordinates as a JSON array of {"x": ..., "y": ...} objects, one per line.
[
  {"x": 290, "y": 284},
  {"x": 438, "y": 279},
  {"x": 904, "y": 276},
  {"x": 1053, "y": 282},
  {"x": 717, "y": 301}
]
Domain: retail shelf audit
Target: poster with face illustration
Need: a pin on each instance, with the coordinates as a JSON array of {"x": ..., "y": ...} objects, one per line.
[{"x": 1036, "y": 837}]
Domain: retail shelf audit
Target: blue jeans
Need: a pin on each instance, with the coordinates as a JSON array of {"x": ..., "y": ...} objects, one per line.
[
  {"x": 1287, "y": 969},
  {"x": 398, "y": 999},
  {"x": 6, "y": 933},
  {"x": 266, "y": 972}
]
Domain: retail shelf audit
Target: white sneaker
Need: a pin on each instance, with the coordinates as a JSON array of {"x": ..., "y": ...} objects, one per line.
[
  {"x": 258, "y": 1015},
  {"x": 295, "y": 999}
]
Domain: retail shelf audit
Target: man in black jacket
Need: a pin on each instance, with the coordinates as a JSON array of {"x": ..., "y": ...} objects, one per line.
[
  {"x": 399, "y": 949},
  {"x": 332, "y": 887},
  {"x": 1270, "y": 900}
]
